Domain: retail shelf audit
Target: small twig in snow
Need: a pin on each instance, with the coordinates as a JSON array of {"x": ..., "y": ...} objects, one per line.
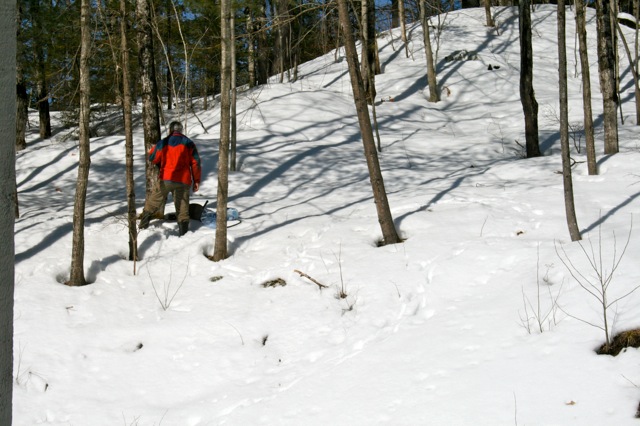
[{"x": 302, "y": 274}]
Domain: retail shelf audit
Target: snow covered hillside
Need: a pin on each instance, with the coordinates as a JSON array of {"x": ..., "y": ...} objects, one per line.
[{"x": 439, "y": 330}]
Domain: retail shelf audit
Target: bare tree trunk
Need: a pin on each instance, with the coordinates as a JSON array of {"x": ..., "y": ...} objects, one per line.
[
  {"x": 220, "y": 244},
  {"x": 22, "y": 113},
  {"x": 434, "y": 91},
  {"x": 636, "y": 13},
  {"x": 149, "y": 91},
  {"x": 389, "y": 233},
  {"x": 281, "y": 53},
  {"x": 7, "y": 183},
  {"x": 128, "y": 134},
  {"x": 564, "y": 126},
  {"x": 43, "y": 107},
  {"x": 263, "y": 46},
  {"x": 42, "y": 85},
  {"x": 169, "y": 74},
  {"x": 294, "y": 46},
  {"x": 395, "y": 13},
  {"x": 606, "y": 67},
  {"x": 251, "y": 51},
  {"x": 581, "y": 28},
  {"x": 403, "y": 27},
  {"x": 205, "y": 93},
  {"x": 634, "y": 71},
  {"x": 368, "y": 50},
  {"x": 527, "y": 94},
  {"x": 234, "y": 94},
  {"x": 22, "y": 104},
  {"x": 77, "y": 251},
  {"x": 487, "y": 12}
]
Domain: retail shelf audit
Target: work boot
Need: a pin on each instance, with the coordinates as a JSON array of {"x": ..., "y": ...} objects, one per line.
[
  {"x": 145, "y": 217},
  {"x": 183, "y": 227}
]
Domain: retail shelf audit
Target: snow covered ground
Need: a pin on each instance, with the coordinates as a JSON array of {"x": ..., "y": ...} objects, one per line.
[{"x": 439, "y": 330}]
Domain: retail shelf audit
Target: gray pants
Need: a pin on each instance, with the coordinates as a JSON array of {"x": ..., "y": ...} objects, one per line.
[{"x": 180, "y": 193}]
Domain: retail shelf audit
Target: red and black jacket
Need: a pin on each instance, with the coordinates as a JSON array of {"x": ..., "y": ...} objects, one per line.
[{"x": 178, "y": 159}]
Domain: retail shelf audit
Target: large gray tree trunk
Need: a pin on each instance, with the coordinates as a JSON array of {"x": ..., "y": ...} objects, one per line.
[
  {"x": 569, "y": 204},
  {"x": 220, "y": 244},
  {"x": 7, "y": 183},
  {"x": 149, "y": 89},
  {"x": 77, "y": 277},
  {"x": 527, "y": 94},
  {"x": 389, "y": 233},
  {"x": 607, "y": 71},
  {"x": 581, "y": 28},
  {"x": 128, "y": 135}
]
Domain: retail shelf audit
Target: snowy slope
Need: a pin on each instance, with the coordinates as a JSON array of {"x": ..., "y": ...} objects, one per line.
[{"x": 433, "y": 331}]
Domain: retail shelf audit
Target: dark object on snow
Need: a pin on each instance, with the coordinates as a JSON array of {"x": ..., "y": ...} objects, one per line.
[
  {"x": 195, "y": 210},
  {"x": 278, "y": 282},
  {"x": 621, "y": 342}
]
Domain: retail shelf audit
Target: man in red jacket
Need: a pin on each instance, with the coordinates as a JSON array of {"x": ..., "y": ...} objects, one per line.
[{"x": 180, "y": 170}]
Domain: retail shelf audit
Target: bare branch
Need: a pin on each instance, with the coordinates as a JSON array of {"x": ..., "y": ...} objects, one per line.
[{"x": 302, "y": 274}]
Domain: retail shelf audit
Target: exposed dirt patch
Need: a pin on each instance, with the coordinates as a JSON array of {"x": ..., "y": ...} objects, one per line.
[{"x": 620, "y": 342}]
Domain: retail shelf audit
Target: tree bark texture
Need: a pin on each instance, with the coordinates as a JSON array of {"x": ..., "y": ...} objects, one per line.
[
  {"x": 42, "y": 89},
  {"x": 403, "y": 26},
  {"x": 368, "y": 50},
  {"x": 581, "y": 28},
  {"x": 149, "y": 89},
  {"x": 487, "y": 12},
  {"x": 389, "y": 233},
  {"x": 262, "y": 73},
  {"x": 220, "y": 244},
  {"x": 7, "y": 185},
  {"x": 128, "y": 134},
  {"x": 434, "y": 91},
  {"x": 527, "y": 94},
  {"x": 636, "y": 13},
  {"x": 569, "y": 204},
  {"x": 607, "y": 71},
  {"x": 395, "y": 13},
  {"x": 251, "y": 51},
  {"x": 22, "y": 100},
  {"x": 77, "y": 277},
  {"x": 169, "y": 86},
  {"x": 234, "y": 96}
]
